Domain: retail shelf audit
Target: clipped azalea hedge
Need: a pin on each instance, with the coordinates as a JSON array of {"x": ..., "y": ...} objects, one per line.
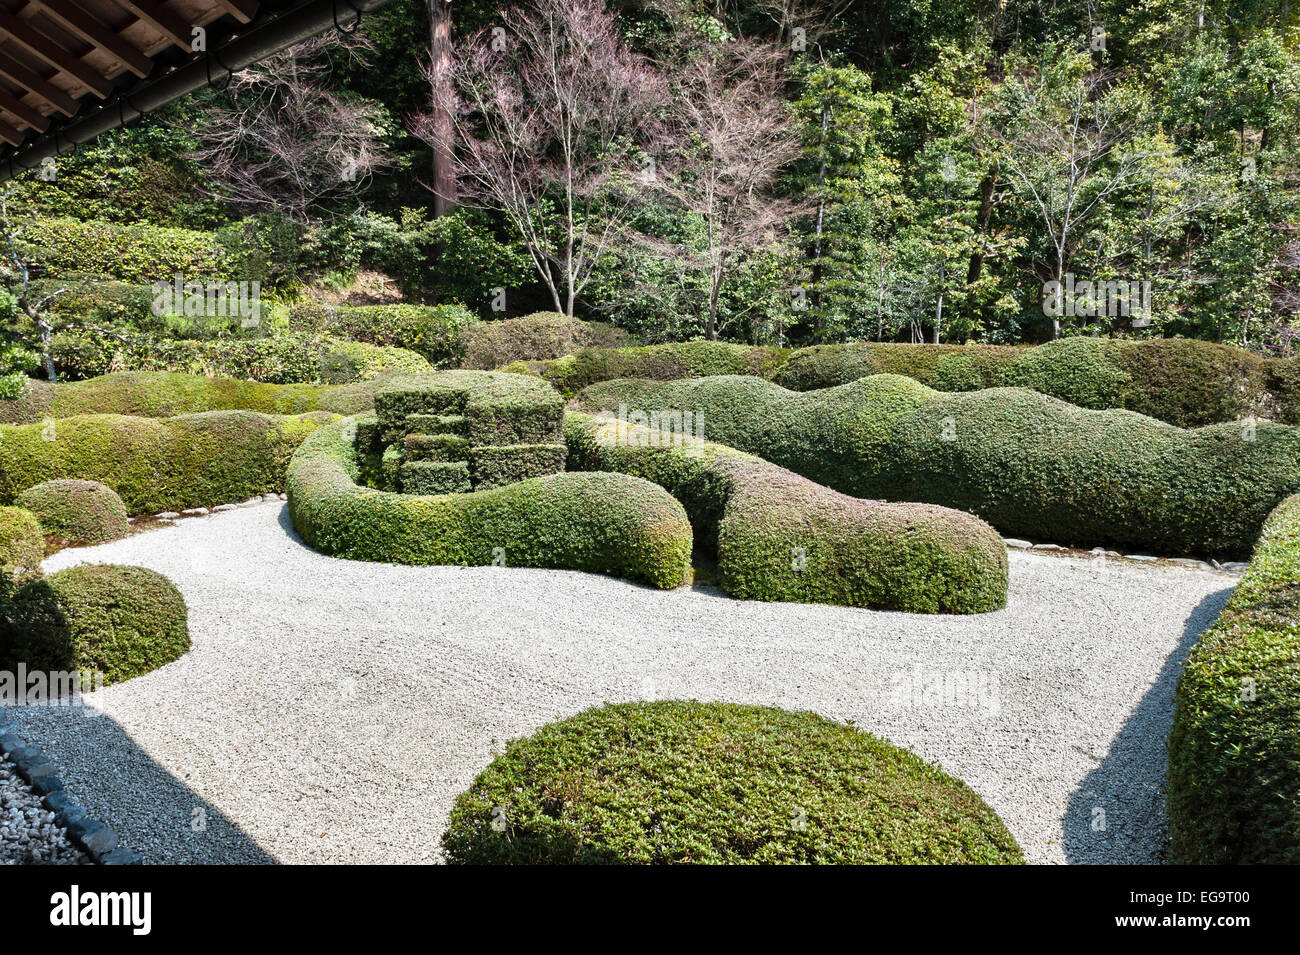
[
  {"x": 1030, "y": 465},
  {"x": 780, "y": 537},
  {"x": 601, "y": 523},
  {"x": 681, "y": 782},
  {"x": 157, "y": 464},
  {"x": 1234, "y": 749},
  {"x": 119, "y": 622},
  {"x": 22, "y": 544},
  {"x": 436, "y": 332}
]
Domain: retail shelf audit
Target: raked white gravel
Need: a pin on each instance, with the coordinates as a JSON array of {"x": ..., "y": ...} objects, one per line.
[{"x": 331, "y": 710}]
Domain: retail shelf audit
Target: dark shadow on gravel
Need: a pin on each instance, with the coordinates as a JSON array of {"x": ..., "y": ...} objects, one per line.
[
  {"x": 1117, "y": 812},
  {"x": 116, "y": 782}
]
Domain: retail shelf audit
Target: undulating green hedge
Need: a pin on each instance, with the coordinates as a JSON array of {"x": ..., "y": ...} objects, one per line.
[
  {"x": 158, "y": 464},
  {"x": 717, "y": 783},
  {"x": 1234, "y": 749},
  {"x": 778, "y": 536},
  {"x": 1180, "y": 381},
  {"x": 121, "y": 622},
  {"x": 601, "y": 523},
  {"x": 22, "y": 544},
  {"x": 131, "y": 253},
  {"x": 536, "y": 337},
  {"x": 1030, "y": 465},
  {"x": 77, "y": 512},
  {"x": 436, "y": 332},
  {"x": 285, "y": 358},
  {"x": 573, "y": 372}
]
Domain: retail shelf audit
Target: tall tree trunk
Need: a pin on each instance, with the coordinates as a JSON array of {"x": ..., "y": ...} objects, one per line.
[
  {"x": 444, "y": 162},
  {"x": 984, "y": 218}
]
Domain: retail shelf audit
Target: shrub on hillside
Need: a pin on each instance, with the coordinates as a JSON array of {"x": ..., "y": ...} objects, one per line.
[
  {"x": 22, "y": 545},
  {"x": 157, "y": 464},
  {"x": 778, "y": 536},
  {"x": 436, "y": 332},
  {"x": 137, "y": 253},
  {"x": 118, "y": 621},
  {"x": 1234, "y": 749},
  {"x": 536, "y": 337},
  {"x": 717, "y": 783},
  {"x": 1030, "y": 465},
  {"x": 77, "y": 512}
]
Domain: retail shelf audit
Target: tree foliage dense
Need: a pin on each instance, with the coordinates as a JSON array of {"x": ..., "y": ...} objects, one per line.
[{"x": 948, "y": 161}]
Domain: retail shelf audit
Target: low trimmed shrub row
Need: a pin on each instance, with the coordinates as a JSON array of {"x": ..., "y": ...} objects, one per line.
[
  {"x": 287, "y": 358},
  {"x": 1030, "y": 465},
  {"x": 157, "y": 464},
  {"x": 601, "y": 523},
  {"x": 1234, "y": 749},
  {"x": 778, "y": 536},
  {"x": 120, "y": 622},
  {"x": 437, "y": 332},
  {"x": 77, "y": 512},
  {"x": 717, "y": 783},
  {"x": 1180, "y": 381},
  {"x": 573, "y": 372},
  {"x": 137, "y": 253},
  {"x": 536, "y": 337}
]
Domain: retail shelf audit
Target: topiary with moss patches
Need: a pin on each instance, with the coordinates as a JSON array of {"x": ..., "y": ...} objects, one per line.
[
  {"x": 77, "y": 512},
  {"x": 679, "y": 782},
  {"x": 1234, "y": 748},
  {"x": 118, "y": 621}
]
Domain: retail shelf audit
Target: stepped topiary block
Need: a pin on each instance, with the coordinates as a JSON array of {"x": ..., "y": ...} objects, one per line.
[
  {"x": 435, "y": 447},
  {"x": 435, "y": 477},
  {"x": 498, "y": 465},
  {"x": 435, "y": 424}
]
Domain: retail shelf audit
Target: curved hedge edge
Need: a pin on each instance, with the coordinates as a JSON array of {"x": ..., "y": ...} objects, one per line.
[
  {"x": 679, "y": 781},
  {"x": 158, "y": 464},
  {"x": 600, "y": 523},
  {"x": 1234, "y": 747},
  {"x": 782, "y": 537}
]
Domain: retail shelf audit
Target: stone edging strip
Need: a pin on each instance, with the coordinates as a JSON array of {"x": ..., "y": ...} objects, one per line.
[{"x": 97, "y": 839}]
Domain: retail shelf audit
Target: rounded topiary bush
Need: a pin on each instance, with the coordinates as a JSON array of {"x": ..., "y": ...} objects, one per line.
[
  {"x": 118, "y": 621},
  {"x": 79, "y": 512},
  {"x": 687, "y": 782},
  {"x": 22, "y": 545},
  {"x": 536, "y": 337}
]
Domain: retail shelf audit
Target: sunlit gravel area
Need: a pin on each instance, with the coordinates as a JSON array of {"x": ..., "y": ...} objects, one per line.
[{"x": 331, "y": 711}]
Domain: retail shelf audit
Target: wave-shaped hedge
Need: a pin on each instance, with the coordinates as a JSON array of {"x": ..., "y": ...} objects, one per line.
[
  {"x": 535, "y": 337},
  {"x": 717, "y": 783},
  {"x": 778, "y": 536},
  {"x": 1030, "y": 465},
  {"x": 1234, "y": 749},
  {"x": 602, "y": 523},
  {"x": 158, "y": 464}
]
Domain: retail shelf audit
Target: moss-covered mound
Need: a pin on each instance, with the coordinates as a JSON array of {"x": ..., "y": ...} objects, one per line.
[
  {"x": 573, "y": 372},
  {"x": 118, "y": 621},
  {"x": 77, "y": 512},
  {"x": 1030, "y": 465},
  {"x": 157, "y": 464},
  {"x": 536, "y": 337},
  {"x": 1234, "y": 750},
  {"x": 717, "y": 783},
  {"x": 602, "y": 523},
  {"x": 778, "y": 536},
  {"x": 22, "y": 544}
]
